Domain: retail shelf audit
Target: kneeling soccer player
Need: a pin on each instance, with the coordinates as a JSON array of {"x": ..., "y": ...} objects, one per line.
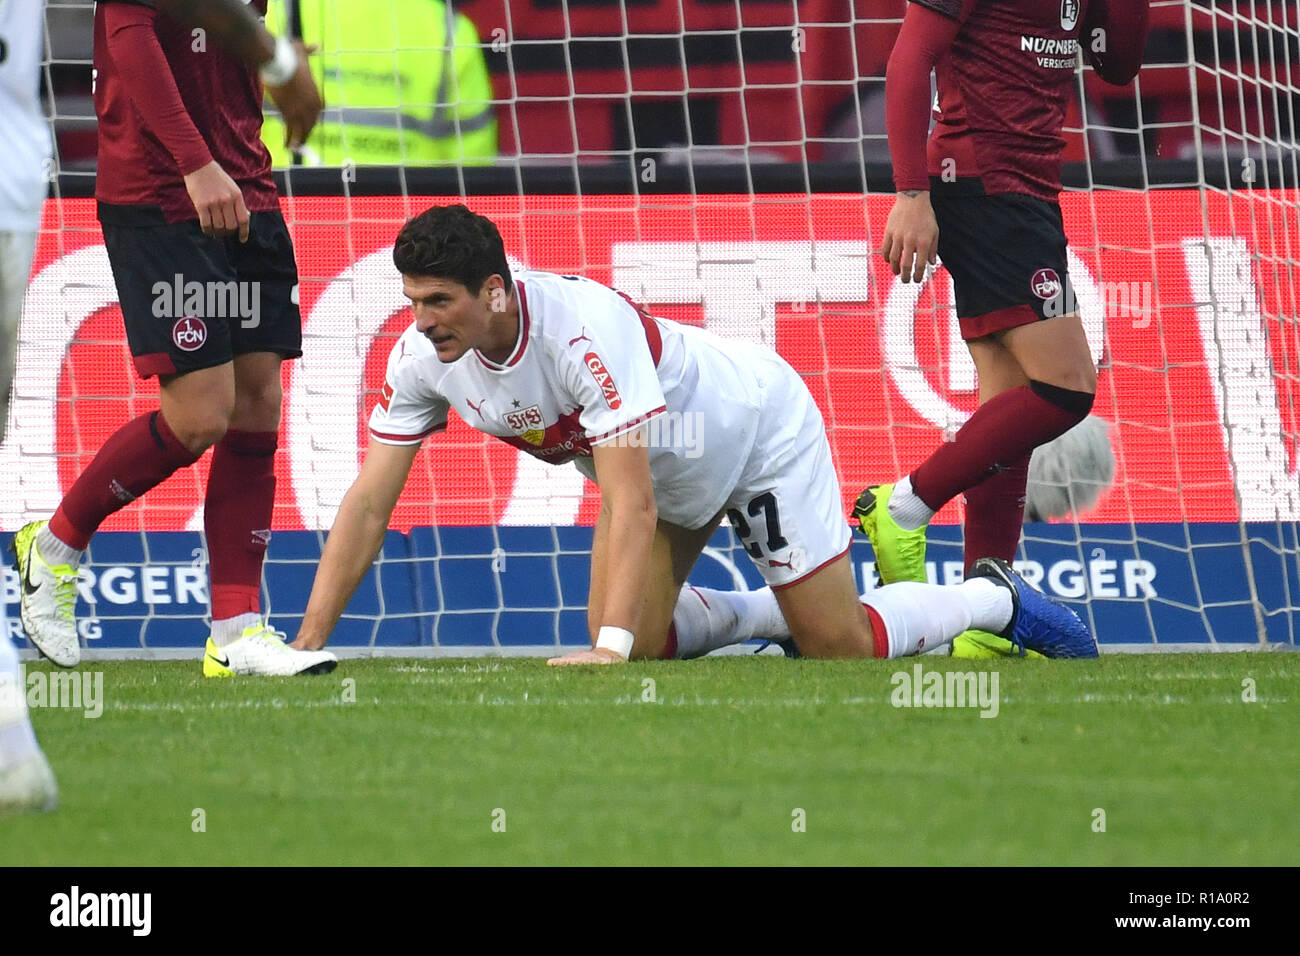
[{"x": 569, "y": 370}]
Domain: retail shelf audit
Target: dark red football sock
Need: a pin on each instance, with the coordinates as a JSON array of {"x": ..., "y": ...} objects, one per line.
[
  {"x": 237, "y": 519},
  {"x": 995, "y": 512},
  {"x": 1003, "y": 430},
  {"x": 139, "y": 455}
]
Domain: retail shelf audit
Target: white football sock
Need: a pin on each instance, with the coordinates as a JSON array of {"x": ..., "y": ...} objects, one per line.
[
  {"x": 908, "y": 510},
  {"x": 231, "y": 629},
  {"x": 991, "y": 605},
  {"x": 706, "y": 619},
  {"x": 54, "y": 550},
  {"x": 17, "y": 740},
  {"x": 920, "y": 617}
]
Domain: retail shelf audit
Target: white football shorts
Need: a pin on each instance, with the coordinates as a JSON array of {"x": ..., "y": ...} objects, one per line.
[{"x": 786, "y": 505}]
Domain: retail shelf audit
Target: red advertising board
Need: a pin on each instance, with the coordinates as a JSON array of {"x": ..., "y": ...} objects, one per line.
[{"x": 1190, "y": 301}]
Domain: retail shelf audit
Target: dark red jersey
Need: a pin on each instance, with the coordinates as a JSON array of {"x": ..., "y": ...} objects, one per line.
[
  {"x": 169, "y": 100},
  {"x": 1004, "y": 84}
]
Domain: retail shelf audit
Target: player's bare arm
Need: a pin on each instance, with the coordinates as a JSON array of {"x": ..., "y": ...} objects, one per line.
[
  {"x": 230, "y": 21},
  {"x": 299, "y": 100},
  {"x": 285, "y": 72},
  {"x": 355, "y": 539},
  {"x": 911, "y": 235},
  {"x": 911, "y": 239},
  {"x": 623, "y": 470}
]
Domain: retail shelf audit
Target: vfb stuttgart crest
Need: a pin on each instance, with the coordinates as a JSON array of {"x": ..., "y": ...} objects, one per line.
[
  {"x": 1069, "y": 14},
  {"x": 528, "y": 424}
]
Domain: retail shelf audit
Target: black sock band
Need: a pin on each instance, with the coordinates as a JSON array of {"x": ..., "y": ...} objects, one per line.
[
  {"x": 154, "y": 433},
  {"x": 1076, "y": 403}
]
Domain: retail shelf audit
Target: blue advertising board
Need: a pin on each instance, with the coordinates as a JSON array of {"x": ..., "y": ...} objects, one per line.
[{"x": 526, "y": 587}]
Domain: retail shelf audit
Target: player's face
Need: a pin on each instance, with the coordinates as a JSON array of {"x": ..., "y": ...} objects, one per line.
[{"x": 449, "y": 316}]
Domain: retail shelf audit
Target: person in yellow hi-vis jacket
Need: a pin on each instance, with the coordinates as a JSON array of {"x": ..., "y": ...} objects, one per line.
[{"x": 404, "y": 82}]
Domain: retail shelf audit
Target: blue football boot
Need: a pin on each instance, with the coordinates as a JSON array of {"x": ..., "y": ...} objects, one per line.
[{"x": 1038, "y": 623}]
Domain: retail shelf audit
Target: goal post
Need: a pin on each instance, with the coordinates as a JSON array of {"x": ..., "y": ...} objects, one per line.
[{"x": 721, "y": 165}]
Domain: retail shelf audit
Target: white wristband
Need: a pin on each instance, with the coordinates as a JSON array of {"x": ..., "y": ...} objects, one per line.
[
  {"x": 617, "y": 639},
  {"x": 280, "y": 69}
]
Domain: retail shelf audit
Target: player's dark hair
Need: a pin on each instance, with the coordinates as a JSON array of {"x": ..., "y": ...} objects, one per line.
[{"x": 450, "y": 242}]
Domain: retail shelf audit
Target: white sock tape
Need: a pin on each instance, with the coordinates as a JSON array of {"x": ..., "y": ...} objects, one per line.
[{"x": 280, "y": 69}]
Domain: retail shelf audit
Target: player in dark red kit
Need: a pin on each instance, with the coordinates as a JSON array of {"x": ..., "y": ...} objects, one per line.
[
  {"x": 207, "y": 282},
  {"x": 986, "y": 202}
]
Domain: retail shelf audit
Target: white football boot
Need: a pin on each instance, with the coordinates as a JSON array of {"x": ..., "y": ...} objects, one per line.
[
  {"x": 49, "y": 599},
  {"x": 28, "y": 786},
  {"x": 262, "y": 651}
]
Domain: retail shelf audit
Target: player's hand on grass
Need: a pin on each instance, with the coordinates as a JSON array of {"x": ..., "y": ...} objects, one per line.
[
  {"x": 911, "y": 235},
  {"x": 598, "y": 655},
  {"x": 219, "y": 202},
  {"x": 304, "y": 642},
  {"x": 299, "y": 101}
]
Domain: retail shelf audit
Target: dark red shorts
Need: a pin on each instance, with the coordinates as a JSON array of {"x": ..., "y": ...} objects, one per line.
[
  {"x": 190, "y": 301},
  {"x": 1005, "y": 253}
]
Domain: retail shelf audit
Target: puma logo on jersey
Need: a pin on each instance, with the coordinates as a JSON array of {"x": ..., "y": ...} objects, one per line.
[
  {"x": 478, "y": 408},
  {"x": 798, "y": 561},
  {"x": 581, "y": 338},
  {"x": 608, "y": 390}
]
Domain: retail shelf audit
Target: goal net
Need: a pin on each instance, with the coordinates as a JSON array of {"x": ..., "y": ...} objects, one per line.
[{"x": 726, "y": 165}]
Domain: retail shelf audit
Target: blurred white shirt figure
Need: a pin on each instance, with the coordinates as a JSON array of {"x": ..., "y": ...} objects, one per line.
[{"x": 26, "y": 782}]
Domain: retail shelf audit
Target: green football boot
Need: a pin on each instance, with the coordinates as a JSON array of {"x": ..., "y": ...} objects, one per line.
[
  {"x": 981, "y": 645},
  {"x": 900, "y": 555}
]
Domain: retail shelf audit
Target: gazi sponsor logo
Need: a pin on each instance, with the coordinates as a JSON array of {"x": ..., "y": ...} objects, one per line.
[{"x": 608, "y": 390}]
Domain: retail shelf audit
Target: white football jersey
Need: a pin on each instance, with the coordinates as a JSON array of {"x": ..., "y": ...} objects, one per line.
[
  {"x": 589, "y": 367},
  {"x": 23, "y": 129}
]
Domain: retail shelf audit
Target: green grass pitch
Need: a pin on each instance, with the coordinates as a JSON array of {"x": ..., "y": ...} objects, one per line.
[{"x": 739, "y": 760}]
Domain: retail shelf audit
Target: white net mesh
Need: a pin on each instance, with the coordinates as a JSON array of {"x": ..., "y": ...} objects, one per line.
[{"x": 711, "y": 160}]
